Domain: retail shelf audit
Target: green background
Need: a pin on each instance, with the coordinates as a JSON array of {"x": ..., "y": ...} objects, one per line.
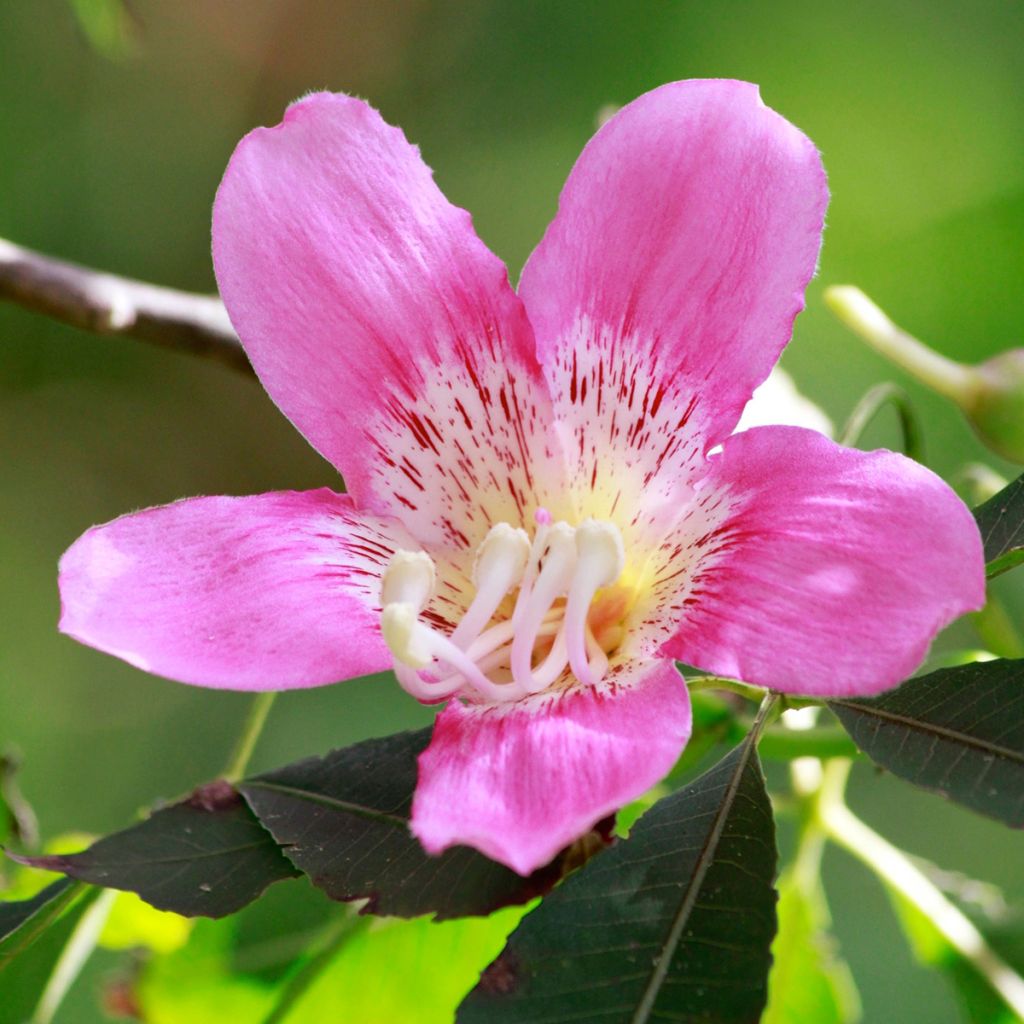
[{"x": 110, "y": 155}]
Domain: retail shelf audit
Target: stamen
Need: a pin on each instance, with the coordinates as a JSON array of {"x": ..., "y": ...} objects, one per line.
[
  {"x": 408, "y": 579},
  {"x": 533, "y": 605},
  {"x": 542, "y": 517},
  {"x": 500, "y": 562},
  {"x": 562, "y": 562},
  {"x": 600, "y": 561}
]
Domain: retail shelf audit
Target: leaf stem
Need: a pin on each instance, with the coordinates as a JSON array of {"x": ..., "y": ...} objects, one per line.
[
  {"x": 872, "y": 402},
  {"x": 299, "y": 983},
  {"x": 779, "y": 744},
  {"x": 893, "y": 866},
  {"x": 246, "y": 743}
]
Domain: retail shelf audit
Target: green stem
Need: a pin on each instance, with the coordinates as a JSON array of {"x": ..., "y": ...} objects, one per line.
[
  {"x": 864, "y": 318},
  {"x": 868, "y": 408},
  {"x": 74, "y": 957},
  {"x": 246, "y": 743},
  {"x": 299, "y": 983},
  {"x": 780, "y": 744},
  {"x": 898, "y": 872}
]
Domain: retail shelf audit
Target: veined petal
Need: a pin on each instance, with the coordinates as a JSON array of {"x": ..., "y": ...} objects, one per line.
[
  {"x": 667, "y": 284},
  {"x": 378, "y": 321},
  {"x": 271, "y": 592},
  {"x": 832, "y": 571},
  {"x": 521, "y": 781}
]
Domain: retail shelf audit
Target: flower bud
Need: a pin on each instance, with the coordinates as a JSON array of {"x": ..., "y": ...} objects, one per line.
[{"x": 990, "y": 395}]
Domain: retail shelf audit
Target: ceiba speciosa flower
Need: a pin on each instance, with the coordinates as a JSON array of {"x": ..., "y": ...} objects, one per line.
[{"x": 545, "y": 503}]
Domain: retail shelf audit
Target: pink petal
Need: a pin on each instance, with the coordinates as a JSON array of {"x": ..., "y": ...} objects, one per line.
[
  {"x": 684, "y": 239},
  {"x": 272, "y": 592},
  {"x": 832, "y": 570},
  {"x": 521, "y": 781},
  {"x": 377, "y": 320}
]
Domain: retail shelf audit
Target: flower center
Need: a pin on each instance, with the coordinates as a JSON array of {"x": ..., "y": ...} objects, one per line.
[{"x": 567, "y": 613}]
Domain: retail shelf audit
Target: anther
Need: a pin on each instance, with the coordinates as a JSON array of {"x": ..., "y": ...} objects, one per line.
[{"x": 499, "y": 566}]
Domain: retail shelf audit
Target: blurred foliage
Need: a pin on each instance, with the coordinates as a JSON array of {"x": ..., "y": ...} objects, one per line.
[{"x": 918, "y": 110}]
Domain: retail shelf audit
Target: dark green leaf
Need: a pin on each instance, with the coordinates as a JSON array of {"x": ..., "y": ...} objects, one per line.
[
  {"x": 207, "y": 855},
  {"x": 674, "y": 923},
  {"x": 343, "y": 819},
  {"x": 22, "y": 921},
  {"x": 958, "y": 732},
  {"x": 1001, "y": 522}
]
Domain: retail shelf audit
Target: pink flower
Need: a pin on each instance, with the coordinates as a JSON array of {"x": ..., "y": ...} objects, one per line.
[{"x": 529, "y": 495}]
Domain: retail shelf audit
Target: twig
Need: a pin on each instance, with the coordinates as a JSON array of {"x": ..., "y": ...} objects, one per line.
[
  {"x": 109, "y": 304},
  {"x": 896, "y": 869}
]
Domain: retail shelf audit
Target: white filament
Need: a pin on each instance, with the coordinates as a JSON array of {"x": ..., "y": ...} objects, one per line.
[{"x": 562, "y": 563}]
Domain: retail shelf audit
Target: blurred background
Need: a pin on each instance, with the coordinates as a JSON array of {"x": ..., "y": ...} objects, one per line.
[{"x": 116, "y": 121}]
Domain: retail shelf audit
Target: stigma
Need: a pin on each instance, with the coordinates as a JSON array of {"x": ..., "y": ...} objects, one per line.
[{"x": 531, "y": 622}]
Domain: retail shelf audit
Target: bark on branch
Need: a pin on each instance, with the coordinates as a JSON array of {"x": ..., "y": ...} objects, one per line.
[{"x": 109, "y": 304}]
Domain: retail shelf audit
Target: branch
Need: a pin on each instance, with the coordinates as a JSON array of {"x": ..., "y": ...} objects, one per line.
[{"x": 109, "y": 304}]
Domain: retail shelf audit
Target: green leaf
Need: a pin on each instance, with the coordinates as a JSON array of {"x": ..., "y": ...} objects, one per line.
[
  {"x": 134, "y": 924},
  {"x": 207, "y": 855},
  {"x": 1001, "y": 522},
  {"x": 28, "y": 956},
  {"x": 23, "y": 921},
  {"x": 198, "y": 983},
  {"x": 958, "y": 732},
  {"x": 437, "y": 964},
  {"x": 343, "y": 819},
  {"x": 809, "y": 981},
  {"x": 674, "y": 923}
]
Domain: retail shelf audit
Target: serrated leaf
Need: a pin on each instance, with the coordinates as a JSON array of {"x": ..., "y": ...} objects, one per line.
[
  {"x": 674, "y": 923},
  {"x": 809, "y": 981},
  {"x": 22, "y": 921},
  {"x": 343, "y": 819},
  {"x": 1001, "y": 522},
  {"x": 958, "y": 732},
  {"x": 206, "y": 856}
]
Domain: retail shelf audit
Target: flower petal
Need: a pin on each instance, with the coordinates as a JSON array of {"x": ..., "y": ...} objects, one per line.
[
  {"x": 271, "y": 592},
  {"x": 377, "y": 320},
  {"x": 832, "y": 570},
  {"x": 521, "y": 781},
  {"x": 667, "y": 284}
]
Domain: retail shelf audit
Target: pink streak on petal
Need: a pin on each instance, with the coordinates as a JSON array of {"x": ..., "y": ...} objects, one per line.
[
  {"x": 521, "y": 781},
  {"x": 359, "y": 292},
  {"x": 691, "y": 224},
  {"x": 271, "y": 592},
  {"x": 836, "y": 568}
]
